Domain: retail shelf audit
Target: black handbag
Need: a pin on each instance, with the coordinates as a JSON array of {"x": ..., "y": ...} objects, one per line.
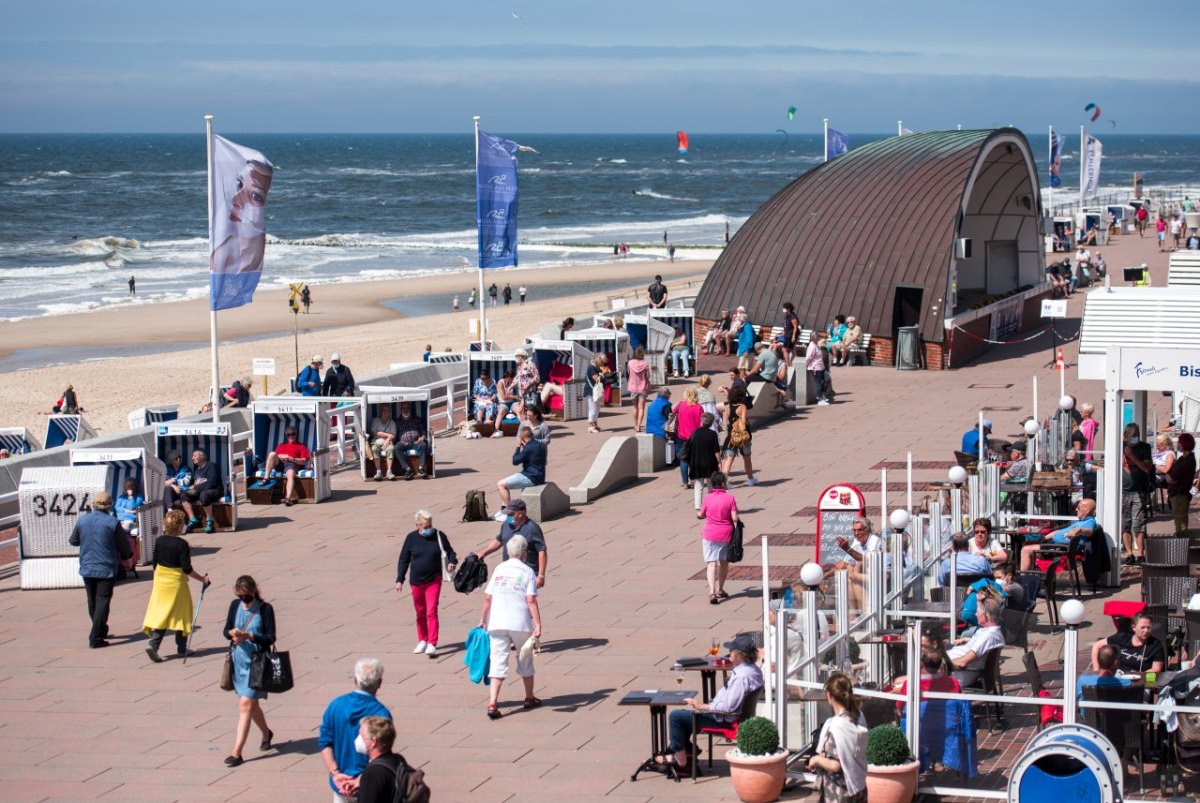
[
  {"x": 736, "y": 549},
  {"x": 271, "y": 671}
]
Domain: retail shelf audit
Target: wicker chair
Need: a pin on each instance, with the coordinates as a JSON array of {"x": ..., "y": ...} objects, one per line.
[
  {"x": 1122, "y": 727},
  {"x": 1168, "y": 551},
  {"x": 1153, "y": 577}
]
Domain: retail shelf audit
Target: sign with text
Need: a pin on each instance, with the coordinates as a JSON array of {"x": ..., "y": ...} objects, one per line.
[
  {"x": 837, "y": 508},
  {"x": 264, "y": 366},
  {"x": 1006, "y": 318},
  {"x": 1158, "y": 369},
  {"x": 1054, "y": 309}
]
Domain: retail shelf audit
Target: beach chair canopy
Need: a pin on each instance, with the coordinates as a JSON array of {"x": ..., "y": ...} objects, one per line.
[
  {"x": 17, "y": 440},
  {"x": 646, "y": 333},
  {"x": 273, "y": 416},
  {"x": 555, "y": 358},
  {"x": 685, "y": 319},
  {"x": 374, "y": 398},
  {"x": 137, "y": 464},
  {"x": 148, "y": 416},
  {"x": 62, "y": 428},
  {"x": 494, "y": 362},
  {"x": 216, "y": 440},
  {"x": 612, "y": 342}
]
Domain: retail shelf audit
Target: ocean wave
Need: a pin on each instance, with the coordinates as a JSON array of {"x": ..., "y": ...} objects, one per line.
[
  {"x": 618, "y": 161},
  {"x": 58, "y": 173},
  {"x": 648, "y": 193}
]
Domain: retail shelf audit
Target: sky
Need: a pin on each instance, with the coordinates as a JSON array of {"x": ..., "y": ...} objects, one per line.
[{"x": 366, "y": 66}]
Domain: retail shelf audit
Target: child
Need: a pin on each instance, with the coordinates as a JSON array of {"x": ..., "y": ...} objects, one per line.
[{"x": 127, "y": 506}]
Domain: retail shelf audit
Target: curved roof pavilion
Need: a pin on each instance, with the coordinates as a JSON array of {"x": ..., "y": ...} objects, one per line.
[{"x": 873, "y": 234}]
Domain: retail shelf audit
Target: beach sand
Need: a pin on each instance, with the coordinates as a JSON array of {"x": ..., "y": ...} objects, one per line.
[{"x": 346, "y": 318}]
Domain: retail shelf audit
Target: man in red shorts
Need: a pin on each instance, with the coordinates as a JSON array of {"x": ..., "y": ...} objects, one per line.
[{"x": 291, "y": 456}]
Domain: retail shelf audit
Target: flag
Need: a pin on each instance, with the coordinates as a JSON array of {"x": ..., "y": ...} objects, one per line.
[
  {"x": 836, "y": 144},
  {"x": 496, "y": 201},
  {"x": 1056, "y": 145},
  {"x": 905, "y": 131},
  {"x": 1090, "y": 179},
  {"x": 237, "y": 230}
]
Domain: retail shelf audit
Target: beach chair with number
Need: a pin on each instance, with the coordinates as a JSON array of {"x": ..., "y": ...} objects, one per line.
[
  {"x": 150, "y": 475},
  {"x": 51, "y": 501},
  {"x": 217, "y": 442},
  {"x": 273, "y": 416},
  {"x": 565, "y": 363},
  {"x": 372, "y": 400},
  {"x": 496, "y": 363},
  {"x": 614, "y": 343}
]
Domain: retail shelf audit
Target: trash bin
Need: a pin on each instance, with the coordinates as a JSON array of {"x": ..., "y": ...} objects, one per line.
[
  {"x": 1067, "y": 762},
  {"x": 908, "y": 349}
]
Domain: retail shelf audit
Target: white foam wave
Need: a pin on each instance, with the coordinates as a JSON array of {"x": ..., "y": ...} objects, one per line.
[
  {"x": 58, "y": 173},
  {"x": 618, "y": 161},
  {"x": 648, "y": 193}
]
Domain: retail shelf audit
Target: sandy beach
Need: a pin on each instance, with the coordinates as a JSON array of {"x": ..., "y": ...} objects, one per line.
[{"x": 347, "y": 318}]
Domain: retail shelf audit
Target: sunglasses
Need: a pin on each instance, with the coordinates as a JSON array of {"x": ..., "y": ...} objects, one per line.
[{"x": 291, "y": 434}]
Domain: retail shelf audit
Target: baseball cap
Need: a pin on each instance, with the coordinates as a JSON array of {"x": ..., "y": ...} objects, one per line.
[
  {"x": 514, "y": 505},
  {"x": 987, "y": 423},
  {"x": 335, "y": 357},
  {"x": 318, "y": 358},
  {"x": 742, "y": 644},
  {"x": 520, "y": 353}
]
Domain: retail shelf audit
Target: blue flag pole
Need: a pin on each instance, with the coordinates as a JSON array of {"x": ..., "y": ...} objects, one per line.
[{"x": 483, "y": 338}]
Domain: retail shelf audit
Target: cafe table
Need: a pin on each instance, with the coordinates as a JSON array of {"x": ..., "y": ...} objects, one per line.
[{"x": 656, "y": 702}]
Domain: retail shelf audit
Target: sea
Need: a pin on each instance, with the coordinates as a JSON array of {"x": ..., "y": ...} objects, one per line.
[{"x": 82, "y": 213}]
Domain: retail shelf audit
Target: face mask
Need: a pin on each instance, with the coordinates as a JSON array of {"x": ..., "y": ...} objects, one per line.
[
  {"x": 510, "y": 520},
  {"x": 360, "y": 745},
  {"x": 1133, "y": 439},
  {"x": 428, "y": 531},
  {"x": 246, "y": 598}
]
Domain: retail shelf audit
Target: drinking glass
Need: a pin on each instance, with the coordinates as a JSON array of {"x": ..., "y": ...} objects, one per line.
[
  {"x": 678, "y": 675},
  {"x": 714, "y": 648}
]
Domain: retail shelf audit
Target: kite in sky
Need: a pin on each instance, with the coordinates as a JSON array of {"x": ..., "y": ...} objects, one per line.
[
  {"x": 791, "y": 112},
  {"x": 1094, "y": 109},
  {"x": 681, "y": 140}
]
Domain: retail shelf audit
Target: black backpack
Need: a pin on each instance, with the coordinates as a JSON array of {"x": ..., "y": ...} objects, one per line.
[
  {"x": 475, "y": 507},
  {"x": 410, "y": 784},
  {"x": 472, "y": 573}
]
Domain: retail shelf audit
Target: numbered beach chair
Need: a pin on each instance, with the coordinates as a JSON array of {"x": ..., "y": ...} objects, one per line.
[
  {"x": 149, "y": 416},
  {"x": 51, "y": 501},
  {"x": 17, "y": 440},
  {"x": 148, "y": 472},
  {"x": 496, "y": 363},
  {"x": 63, "y": 429},
  {"x": 685, "y": 320},
  {"x": 375, "y": 398},
  {"x": 613, "y": 343},
  {"x": 650, "y": 334},
  {"x": 216, "y": 440},
  {"x": 273, "y": 417},
  {"x": 563, "y": 362}
]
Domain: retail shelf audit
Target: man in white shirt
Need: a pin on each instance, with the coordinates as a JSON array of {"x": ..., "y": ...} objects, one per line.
[
  {"x": 856, "y": 549},
  {"x": 511, "y": 616},
  {"x": 970, "y": 655}
]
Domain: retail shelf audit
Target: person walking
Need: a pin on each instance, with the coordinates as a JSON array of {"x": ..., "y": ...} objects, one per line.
[
  {"x": 814, "y": 363},
  {"x": 133, "y": 286},
  {"x": 102, "y": 544},
  {"x": 306, "y": 298},
  {"x": 720, "y": 515},
  {"x": 507, "y": 293},
  {"x": 594, "y": 389},
  {"x": 170, "y": 606},
  {"x": 637, "y": 371},
  {"x": 688, "y": 414},
  {"x": 249, "y": 627},
  {"x": 703, "y": 455},
  {"x": 512, "y": 619},
  {"x": 522, "y": 291},
  {"x": 377, "y": 784},
  {"x": 339, "y": 379},
  {"x": 738, "y": 436},
  {"x": 492, "y": 292},
  {"x": 340, "y": 728},
  {"x": 428, "y": 551}
]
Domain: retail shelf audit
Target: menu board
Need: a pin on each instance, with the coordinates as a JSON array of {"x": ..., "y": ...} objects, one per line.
[{"x": 837, "y": 508}]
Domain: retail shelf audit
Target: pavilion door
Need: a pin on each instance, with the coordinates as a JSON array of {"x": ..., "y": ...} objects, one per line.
[{"x": 906, "y": 309}]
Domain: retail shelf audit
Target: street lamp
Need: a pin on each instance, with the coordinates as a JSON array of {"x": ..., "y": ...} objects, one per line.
[
  {"x": 899, "y": 519},
  {"x": 1071, "y": 613},
  {"x": 1066, "y": 403},
  {"x": 1031, "y": 429},
  {"x": 811, "y": 575},
  {"x": 957, "y": 475}
]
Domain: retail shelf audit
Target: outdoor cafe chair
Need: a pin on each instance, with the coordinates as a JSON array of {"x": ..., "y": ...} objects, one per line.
[
  {"x": 728, "y": 732},
  {"x": 1120, "y": 726},
  {"x": 1167, "y": 551}
]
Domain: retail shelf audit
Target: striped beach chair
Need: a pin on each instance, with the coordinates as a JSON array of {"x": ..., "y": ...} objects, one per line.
[
  {"x": 650, "y": 334},
  {"x": 615, "y": 345},
  {"x": 563, "y": 362},
  {"x": 494, "y": 362},
  {"x": 217, "y": 442},
  {"x": 372, "y": 400},
  {"x": 149, "y": 416},
  {"x": 147, "y": 471},
  {"x": 273, "y": 416},
  {"x": 51, "y": 500},
  {"x": 63, "y": 429},
  {"x": 17, "y": 440}
]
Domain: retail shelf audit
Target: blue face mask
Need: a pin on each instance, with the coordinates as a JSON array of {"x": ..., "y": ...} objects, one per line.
[
  {"x": 510, "y": 520},
  {"x": 428, "y": 531}
]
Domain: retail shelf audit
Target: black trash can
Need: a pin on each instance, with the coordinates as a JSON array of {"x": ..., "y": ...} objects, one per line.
[{"x": 909, "y": 354}]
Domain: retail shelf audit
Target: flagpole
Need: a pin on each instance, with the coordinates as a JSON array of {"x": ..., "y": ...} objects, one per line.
[
  {"x": 483, "y": 338},
  {"x": 899, "y": 128},
  {"x": 1082, "y": 167},
  {"x": 826, "y": 151},
  {"x": 1050, "y": 161},
  {"x": 212, "y": 314}
]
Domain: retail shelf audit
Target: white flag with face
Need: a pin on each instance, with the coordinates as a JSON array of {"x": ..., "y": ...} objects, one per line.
[{"x": 240, "y": 180}]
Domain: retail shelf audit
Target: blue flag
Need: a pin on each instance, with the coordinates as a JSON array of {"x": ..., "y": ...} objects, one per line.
[
  {"x": 1056, "y": 145},
  {"x": 837, "y": 144},
  {"x": 241, "y": 178},
  {"x": 496, "y": 201}
]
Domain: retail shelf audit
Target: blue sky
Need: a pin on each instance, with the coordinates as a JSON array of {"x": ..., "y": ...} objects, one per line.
[{"x": 606, "y": 66}]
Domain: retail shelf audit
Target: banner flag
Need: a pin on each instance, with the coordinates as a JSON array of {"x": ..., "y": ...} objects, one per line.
[
  {"x": 496, "y": 201},
  {"x": 1093, "y": 153},
  {"x": 1056, "y": 145},
  {"x": 237, "y": 231},
  {"x": 838, "y": 144}
]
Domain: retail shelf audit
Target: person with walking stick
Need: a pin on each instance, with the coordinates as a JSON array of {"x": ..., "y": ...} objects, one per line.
[{"x": 170, "y": 606}]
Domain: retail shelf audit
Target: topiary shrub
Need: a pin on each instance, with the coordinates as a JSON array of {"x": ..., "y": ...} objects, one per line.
[
  {"x": 887, "y": 747},
  {"x": 757, "y": 736}
]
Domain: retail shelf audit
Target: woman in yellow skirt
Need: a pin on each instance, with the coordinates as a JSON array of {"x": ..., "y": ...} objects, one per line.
[{"x": 170, "y": 605}]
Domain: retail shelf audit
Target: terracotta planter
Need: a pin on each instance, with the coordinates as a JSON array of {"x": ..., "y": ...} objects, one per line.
[
  {"x": 757, "y": 779},
  {"x": 893, "y": 784}
]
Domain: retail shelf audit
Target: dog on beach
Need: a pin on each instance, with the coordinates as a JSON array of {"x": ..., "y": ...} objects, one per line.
[{"x": 468, "y": 431}]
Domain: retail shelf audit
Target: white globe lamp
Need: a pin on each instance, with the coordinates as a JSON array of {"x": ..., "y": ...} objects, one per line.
[
  {"x": 811, "y": 574},
  {"x": 1032, "y": 427},
  {"x": 899, "y": 519},
  {"x": 1066, "y": 403},
  {"x": 1071, "y": 612},
  {"x": 957, "y": 475}
]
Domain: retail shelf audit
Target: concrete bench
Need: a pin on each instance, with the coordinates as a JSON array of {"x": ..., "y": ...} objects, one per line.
[
  {"x": 545, "y": 502},
  {"x": 615, "y": 466},
  {"x": 764, "y": 399},
  {"x": 651, "y": 454}
]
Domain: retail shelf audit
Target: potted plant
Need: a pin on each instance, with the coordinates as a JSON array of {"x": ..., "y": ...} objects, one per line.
[
  {"x": 891, "y": 768},
  {"x": 757, "y": 766}
]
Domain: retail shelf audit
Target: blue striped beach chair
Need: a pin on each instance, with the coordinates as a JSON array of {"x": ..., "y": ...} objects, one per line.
[
  {"x": 650, "y": 334},
  {"x": 611, "y": 342},
  {"x": 494, "y": 362},
  {"x": 147, "y": 471},
  {"x": 149, "y": 416},
  {"x": 273, "y": 416},
  {"x": 563, "y": 362},
  {"x": 63, "y": 429},
  {"x": 217, "y": 442},
  {"x": 372, "y": 400},
  {"x": 17, "y": 440}
]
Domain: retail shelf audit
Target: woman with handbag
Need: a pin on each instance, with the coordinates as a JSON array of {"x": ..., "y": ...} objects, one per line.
[
  {"x": 597, "y": 379},
  {"x": 170, "y": 606},
  {"x": 250, "y": 627},
  {"x": 688, "y": 414},
  {"x": 719, "y": 512},
  {"x": 428, "y": 551}
]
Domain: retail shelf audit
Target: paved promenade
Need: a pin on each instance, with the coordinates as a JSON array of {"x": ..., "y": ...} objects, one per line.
[{"x": 622, "y": 602}]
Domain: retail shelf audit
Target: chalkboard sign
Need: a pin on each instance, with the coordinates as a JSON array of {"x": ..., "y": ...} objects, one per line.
[{"x": 837, "y": 508}]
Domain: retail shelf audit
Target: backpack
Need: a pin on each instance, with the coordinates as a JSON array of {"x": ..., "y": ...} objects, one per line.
[
  {"x": 410, "y": 784},
  {"x": 475, "y": 506},
  {"x": 472, "y": 573},
  {"x": 739, "y": 436}
]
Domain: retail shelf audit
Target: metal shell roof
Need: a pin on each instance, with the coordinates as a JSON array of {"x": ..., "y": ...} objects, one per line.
[{"x": 843, "y": 236}]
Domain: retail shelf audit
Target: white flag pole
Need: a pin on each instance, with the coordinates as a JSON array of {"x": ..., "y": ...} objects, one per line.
[
  {"x": 826, "y": 151},
  {"x": 899, "y": 128},
  {"x": 483, "y": 338},
  {"x": 212, "y": 315},
  {"x": 1082, "y": 167},
  {"x": 1050, "y": 159}
]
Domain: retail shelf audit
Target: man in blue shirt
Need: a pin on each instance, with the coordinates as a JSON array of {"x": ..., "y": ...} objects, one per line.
[
  {"x": 339, "y": 729},
  {"x": 530, "y": 455},
  {"x": 309, "y": 381},
  {"x": 1085, "y": 525},
  {"x": 102, "y": 543},
  {"x": 1107, "y": 659},
  {"x": 970, "y": 439},
  {"x": 968, "y": 564}
]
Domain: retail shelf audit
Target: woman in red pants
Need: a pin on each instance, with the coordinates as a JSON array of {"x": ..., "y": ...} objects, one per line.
[{"x": 428, "y": 552}]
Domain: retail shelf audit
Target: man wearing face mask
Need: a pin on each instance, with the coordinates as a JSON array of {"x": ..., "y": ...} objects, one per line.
[
  {"x": 345, "y": 756},
  {"x": 1137, "y": 472},
  {"x": 516, "y": 522},
  {"x": 376, "y": 736}
]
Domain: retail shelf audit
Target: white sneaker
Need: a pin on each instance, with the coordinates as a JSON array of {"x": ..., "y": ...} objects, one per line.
[
  {"x": 497, "y": 434},
  {"x": 378, "y": 475},
  {"x": 431, "y": 650},
  {"x": 500, "y": 516},
  {"x": 752, "y": 481},
  {"x": 391, "y": 476},
  {"x": 823, "y": 403},
  {"x": 420, "y": 648}
]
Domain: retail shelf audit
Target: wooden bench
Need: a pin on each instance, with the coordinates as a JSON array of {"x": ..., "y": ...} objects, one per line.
[{"x": 861, "y": 349}]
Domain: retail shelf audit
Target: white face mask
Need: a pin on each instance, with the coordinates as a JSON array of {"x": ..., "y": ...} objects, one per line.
[{"x": 360, "y": 745}]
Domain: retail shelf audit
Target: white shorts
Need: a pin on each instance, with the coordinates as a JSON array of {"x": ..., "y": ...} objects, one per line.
[
  {"x": 715, "y": 550},
  {"x": 502, "y": 644}
]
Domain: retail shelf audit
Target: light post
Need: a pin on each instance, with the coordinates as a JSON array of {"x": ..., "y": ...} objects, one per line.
[
  {"x": 1032, "y": 427},
  {"x": 1071, "y": 614}
]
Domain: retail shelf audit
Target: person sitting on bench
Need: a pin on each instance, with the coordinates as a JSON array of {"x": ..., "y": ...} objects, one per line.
[
  {"x": 291, "y": 456},
  {"x": 205, "y": 490},
  {"x": 484, "y": 392},
  {"x": 382, "y": 433},
  {"x": 410, "y": 436},
  {"x": 680, "y": 353}
]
